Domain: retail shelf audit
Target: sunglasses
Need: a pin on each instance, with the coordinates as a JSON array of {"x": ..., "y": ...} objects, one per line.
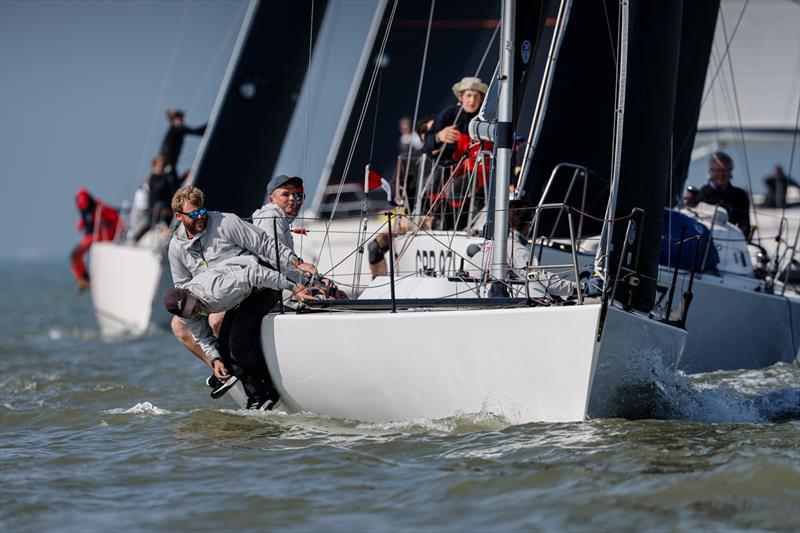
[
  {"x": 194, "y": 214},
  {"x": 298, "y": 196}
]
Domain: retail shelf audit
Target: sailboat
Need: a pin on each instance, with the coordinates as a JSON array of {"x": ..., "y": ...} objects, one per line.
[{"x": 432, "y": 346}]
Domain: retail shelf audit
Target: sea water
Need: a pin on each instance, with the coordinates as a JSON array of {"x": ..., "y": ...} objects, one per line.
[{"x": 102, "y": 435}]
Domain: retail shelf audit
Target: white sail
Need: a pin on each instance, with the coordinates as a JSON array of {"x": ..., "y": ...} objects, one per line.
[{"x": 756, "y": 85}]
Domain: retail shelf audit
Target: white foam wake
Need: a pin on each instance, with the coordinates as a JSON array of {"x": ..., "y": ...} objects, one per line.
[{"x": 142, "y": 408}]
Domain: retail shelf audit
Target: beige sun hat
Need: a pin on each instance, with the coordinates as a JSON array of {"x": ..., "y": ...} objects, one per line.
[{"x": 470, "y": 83}]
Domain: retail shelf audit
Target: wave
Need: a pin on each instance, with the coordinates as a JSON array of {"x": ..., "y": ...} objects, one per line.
[
  {"x": 142, "y": 408},
  {"x": 741, "y": 397}
]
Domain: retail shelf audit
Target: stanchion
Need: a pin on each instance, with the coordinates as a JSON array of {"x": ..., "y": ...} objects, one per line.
[
  {"x": 391, "y": 262},
  {"x": 277, "y": 260}
]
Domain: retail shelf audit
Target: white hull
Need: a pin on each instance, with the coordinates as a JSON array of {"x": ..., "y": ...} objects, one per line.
[
  {"x": 524, "y": 364},
  {"x": 128, "y": 283}
]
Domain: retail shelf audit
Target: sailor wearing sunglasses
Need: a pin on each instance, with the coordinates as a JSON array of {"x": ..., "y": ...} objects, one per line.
[{"x": 205, "y": 239}]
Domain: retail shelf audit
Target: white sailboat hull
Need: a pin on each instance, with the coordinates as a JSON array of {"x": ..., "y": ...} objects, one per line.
[
  {"x": 524, "y": 364},
  {"x": 127, "y": 285}
]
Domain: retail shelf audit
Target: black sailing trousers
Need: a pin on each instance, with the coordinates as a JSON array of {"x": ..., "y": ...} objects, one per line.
[{"x": 240, "y": 344}]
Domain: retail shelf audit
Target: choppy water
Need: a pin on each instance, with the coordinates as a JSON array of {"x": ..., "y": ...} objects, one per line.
[{"x": 101, "y": 435}]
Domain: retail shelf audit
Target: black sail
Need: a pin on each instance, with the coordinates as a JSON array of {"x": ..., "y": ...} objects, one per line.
[
  {"x": 654, "y": 42},
  {"x": 246, "y": 134},
  {"x": 697, "y": 37},
  {"x": 577, "y": 124}
]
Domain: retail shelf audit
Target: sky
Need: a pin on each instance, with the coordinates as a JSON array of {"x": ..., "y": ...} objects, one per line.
[{"x": 83, "y": 89}]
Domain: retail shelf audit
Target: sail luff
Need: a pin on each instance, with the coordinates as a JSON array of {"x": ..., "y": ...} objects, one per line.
[
  {"x": 602, "y": 263},
  {"x": 654, "y": 42},
  {"x": 226, "y": 80}
]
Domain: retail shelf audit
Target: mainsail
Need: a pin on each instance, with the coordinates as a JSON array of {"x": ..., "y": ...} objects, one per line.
[{"x": 753, "y": 85}]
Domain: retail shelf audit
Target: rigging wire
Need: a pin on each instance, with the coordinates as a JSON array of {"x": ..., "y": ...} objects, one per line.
[
  {"x": 740, "y": 124},
  {"x": 364, "y": 107},
  {"x": 610, "y": 35},
  {"x": 360, "y": 123},
  {"x": 419, "y": 94},
  {"x": 712, "y": 83}
]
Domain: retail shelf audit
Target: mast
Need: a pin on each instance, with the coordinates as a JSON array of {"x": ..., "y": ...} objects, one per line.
[{"x": 504, "y": 134}]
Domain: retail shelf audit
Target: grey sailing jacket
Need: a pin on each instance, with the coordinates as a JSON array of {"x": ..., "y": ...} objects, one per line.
[
  {"x": 224, "y": 286},
  {"x": 263, "y": 218},
  {"x": 226, "y": 236}
]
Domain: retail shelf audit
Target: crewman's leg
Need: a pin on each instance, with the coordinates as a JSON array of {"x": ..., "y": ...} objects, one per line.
[
  {"x": 244, "y": 343},
  {"x": 77, "y": 263}
]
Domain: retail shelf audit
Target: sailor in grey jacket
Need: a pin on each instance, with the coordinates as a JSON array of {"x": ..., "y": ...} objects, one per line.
[
  {"x": 269, "y": 218},
  {"x": 217, "y": 289},
  {"x": 226, "y": 237}
]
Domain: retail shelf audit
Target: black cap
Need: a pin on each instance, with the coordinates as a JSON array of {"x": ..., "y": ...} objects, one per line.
[
  {"x": 179, "y": 302},
  {"x": 280, "y": 181}
]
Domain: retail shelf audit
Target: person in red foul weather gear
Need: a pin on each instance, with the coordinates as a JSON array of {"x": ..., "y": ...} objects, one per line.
[
  {"x": 448, "y": 138},
  {"x": 97, "y": 222}
]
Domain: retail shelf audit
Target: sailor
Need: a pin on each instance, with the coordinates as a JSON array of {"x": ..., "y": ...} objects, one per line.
[
  {"x": 449, "y": 142},
  {"x": 162, "y": 185},
  {"x": 720, "y": 191},
  {"x": 218, "y": 289},
  {"x": 205, "y": 239},
  {"x": 285, "y": 197},
  {"x": 97, "y": 222},
  {"x": 777, "y": 187},
  {"x": 450, "y": 128},
  {"x": 172, "y": 144}
]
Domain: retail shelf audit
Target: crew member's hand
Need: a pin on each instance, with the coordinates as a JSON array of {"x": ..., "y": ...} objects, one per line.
[
  {"x": 448, "y": 135},
  {"x": 308, "y": 268},
  {"x": 219, "y": 370},
  {"x": 301, "y": 293}
]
